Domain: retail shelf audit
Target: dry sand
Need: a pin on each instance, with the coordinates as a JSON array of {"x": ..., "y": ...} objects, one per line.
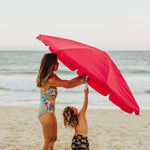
[{"x": 108, "y": 130}]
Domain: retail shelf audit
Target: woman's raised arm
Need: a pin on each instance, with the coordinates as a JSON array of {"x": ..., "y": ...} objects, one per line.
[{"x": 57, "y": 82}]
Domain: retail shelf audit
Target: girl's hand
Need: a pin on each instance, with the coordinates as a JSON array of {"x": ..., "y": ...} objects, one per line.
[
  {"x": 86, "y": 91},
  {"x": 84, "y": 78}
]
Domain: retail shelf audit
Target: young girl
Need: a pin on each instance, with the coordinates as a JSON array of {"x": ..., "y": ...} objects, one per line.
[
  {"x": 47, "y": 81},
  {"x": 78, "y": 121}
]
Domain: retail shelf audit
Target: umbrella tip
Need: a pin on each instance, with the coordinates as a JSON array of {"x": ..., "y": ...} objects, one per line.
[
  {"x": 37, "y": 37},
  {"x": 137, "y": 112}
]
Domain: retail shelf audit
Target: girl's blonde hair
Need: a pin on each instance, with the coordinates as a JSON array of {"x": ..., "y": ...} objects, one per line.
[
  {"x": 46, "y": 69},
  {"x": 70, "y": 119}
]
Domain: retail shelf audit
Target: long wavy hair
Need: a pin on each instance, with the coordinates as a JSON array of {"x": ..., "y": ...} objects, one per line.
[
  {"x": 70, "y": 119},
  {"x": 46, "y": 69}
]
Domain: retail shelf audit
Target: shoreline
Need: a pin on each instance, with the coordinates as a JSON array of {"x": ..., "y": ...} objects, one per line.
[
  {"x": 108, "y": 129},
  {"x": 96, "y": 101}
]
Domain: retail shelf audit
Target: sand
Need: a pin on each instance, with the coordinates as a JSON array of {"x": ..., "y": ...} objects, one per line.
[{"x": 108, "y": 130}]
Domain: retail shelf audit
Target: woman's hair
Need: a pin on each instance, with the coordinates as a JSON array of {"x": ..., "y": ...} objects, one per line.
[
  {"x": 70, "y": 119},
  {"x": 46, "y": 69}
]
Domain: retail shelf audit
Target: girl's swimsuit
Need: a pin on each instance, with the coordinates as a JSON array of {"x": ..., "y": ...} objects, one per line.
[
  {"x": 47, "y": 102},
  {"x": 80, "y": 142}
]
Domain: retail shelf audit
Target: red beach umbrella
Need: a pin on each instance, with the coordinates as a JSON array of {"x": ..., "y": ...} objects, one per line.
[{"x": 104, "y": 75}]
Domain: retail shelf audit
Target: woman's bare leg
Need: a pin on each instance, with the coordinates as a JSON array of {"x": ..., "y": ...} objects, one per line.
[
  {"x": 52, "y": 146},
  {"x": 49, "y": 125},
  {"x": 55, "y": 137}
]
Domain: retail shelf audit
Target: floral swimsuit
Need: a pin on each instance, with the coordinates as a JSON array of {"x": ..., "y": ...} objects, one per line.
[{"x": 47, "y": 102}]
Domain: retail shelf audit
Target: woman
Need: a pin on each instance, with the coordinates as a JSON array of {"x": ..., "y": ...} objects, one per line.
[{"x": 48, "y": 82}]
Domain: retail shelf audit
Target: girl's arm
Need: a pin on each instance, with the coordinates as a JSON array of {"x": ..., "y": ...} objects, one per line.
[
  {"x": 85, "y": 104},
  {"x": 57, "y": 82}
]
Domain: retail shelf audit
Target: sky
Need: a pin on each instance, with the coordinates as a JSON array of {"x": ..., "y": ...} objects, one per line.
[{"x": 105, "y": 24}]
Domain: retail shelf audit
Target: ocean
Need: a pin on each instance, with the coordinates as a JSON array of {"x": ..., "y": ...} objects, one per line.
[{"x": 18, "y": 70}]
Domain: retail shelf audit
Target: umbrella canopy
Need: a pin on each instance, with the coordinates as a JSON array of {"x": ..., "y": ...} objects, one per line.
[{"x": 104, "y": 75}]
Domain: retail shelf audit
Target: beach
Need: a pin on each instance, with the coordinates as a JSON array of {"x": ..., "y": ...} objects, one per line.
[
  {"x": 108, "y": 130},
  {"x": 109, "y": 127}
]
